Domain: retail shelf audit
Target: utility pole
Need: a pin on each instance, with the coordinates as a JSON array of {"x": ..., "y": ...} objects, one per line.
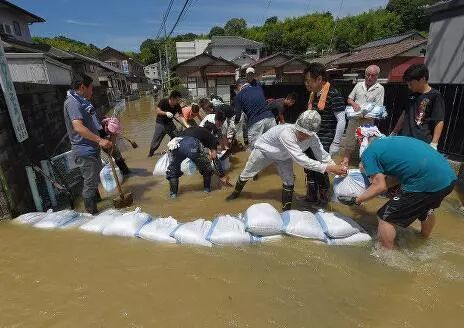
[{"x": 167, "y": 58}]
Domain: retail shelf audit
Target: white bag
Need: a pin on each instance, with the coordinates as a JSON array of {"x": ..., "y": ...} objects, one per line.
[
  {"x": 367, "y": 110},
  {"x": 228, "y": 230},
  {"x": 353, "y": 185},
  {"x": 159, "y": 230},
  {"x": 107, "y": 179},
  {"x": 31, "y": 218},
  {"x": 161, "y": 165},
  {"x": 263, "y": 220},
  {"x": 336, "y": 225},
  {"x": 358, "y": 238},
  {"x": 302, "y": 224},
  {"x": 57, "y": 219},
  {"x": 193, "y": 233},
  {"x": 83, "y": 218},
  {"x": 127, "y": 225},
  {"x": 188, "y": 167},
  {"x": 99, "y": 222}
]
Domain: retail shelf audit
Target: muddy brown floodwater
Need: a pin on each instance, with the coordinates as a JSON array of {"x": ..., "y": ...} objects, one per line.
[{"x": 75, "y": 279}]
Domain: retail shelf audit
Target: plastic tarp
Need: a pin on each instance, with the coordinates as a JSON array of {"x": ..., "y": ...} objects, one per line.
[
  {"x": 159, "y": 230},
  {"x": 263, "y": 220},
  {"x": 302, "y": 224}
]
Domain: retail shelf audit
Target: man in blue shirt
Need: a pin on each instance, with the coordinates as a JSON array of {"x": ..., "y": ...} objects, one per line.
[
  {"x": 83, "y": 131},
  {"x": 251, "y": 101},
  {"x": 425, "y": 176}
]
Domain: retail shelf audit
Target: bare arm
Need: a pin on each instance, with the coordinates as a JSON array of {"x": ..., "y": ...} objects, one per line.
[
  {"x": 437, "y": 132},
  {"x": 84, "y": 132},
  {"x": 184, "y": 121},
  {"x": 378, "y": 186},
  {"x": 353, "y": 104},
  {"x": 399, "y": 124},
  {"x": 158, "y": 111}
]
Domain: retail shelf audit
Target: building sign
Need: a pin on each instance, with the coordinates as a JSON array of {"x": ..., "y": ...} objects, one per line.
[
  {"x": 125, "y": 67},
  {"x": 11, "y": 99}
]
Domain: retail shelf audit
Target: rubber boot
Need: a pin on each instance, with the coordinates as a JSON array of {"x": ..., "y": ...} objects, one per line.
[
  {"x": 122, "y": 166},
  {"x": 207, "y": 183},
  {"x": 173, "y": 187},
  {"x": 324, "y": 189},
  {"x": 98, "y": 197},
  {"x": 287, "y": 197},
  {"x": 91, "y": 205},
  {"x": 238, "y": 189},
  {"x": 312, "y": 188}
]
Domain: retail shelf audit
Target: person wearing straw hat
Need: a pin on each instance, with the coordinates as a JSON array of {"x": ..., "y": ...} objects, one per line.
[{"x": 284, "y": 144}]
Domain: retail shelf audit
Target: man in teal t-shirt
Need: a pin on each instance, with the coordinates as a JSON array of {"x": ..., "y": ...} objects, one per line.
[{"x": 426, "y": 179}]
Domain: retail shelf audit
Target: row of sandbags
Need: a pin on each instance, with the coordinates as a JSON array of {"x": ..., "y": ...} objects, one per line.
[{"x": 260, "y": 223}]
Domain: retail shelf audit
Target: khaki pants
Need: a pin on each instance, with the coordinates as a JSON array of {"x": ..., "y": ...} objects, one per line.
[{"x": 350, "y": 143}]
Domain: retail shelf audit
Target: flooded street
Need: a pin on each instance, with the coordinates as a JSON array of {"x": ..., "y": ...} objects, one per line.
[{"x": 76, "y": 279}]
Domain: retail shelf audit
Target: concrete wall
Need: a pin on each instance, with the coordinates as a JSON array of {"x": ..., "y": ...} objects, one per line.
[
  {"x": 8, "y": 16},
  {"x": 230, "y": 53},
  {"x": 445, "y": 50},
  {"x": 189, "y": 49},
  {"x": 42, "y": 108}
]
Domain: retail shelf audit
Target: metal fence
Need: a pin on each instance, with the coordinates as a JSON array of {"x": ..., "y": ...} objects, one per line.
[{"x": 396, "y": 99}]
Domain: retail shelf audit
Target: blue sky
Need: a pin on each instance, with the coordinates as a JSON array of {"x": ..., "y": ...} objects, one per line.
[{"x": 124, "y": 24}]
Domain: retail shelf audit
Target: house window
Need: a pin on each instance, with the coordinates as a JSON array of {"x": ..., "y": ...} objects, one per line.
[
  {"x": 250, "y": 51},
  {"x": 17, "y": 28},
  {"x": 191, "y": 82},
  {"x": 7, "y": 29}
]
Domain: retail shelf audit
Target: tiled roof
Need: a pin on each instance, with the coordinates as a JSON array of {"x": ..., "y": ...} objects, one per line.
[
  {"x": 204, "y": 59},
  {"x": 269, "y": 58},
  {"x": 380, "y": 53},
  {"x": 230, "y": 41},
  {"x": 326, "y": 60},
  {"x": 35, "y": 18},
  {"x": 390, "y": 40},
  {"x": 293, "y": 60}
]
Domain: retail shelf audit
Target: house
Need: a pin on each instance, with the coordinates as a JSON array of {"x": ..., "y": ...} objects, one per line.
[
  {"x": 393, "y": 55},
  {"x": 244, "y": 60},
  {"x": 328, "y": 60},
  {"x": 205, "y": 74},
  {"x": 445, "y": 49},
  {"x": 153, "y": 72},
  {"x": 15, "y": 21},
  {"x": 38, "y": 68},
  {"x": 265, "y": 68},
  {"x": 133, "y": 69},
  {"x": 231, "y": 47},
  {"x": 187, "y": 50},
  {"x": 291, "y": 71}
]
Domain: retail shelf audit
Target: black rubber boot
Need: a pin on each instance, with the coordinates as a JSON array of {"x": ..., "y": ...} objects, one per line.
[
  {"x": 173, "y": 187},
  {"x": 287, "y": 197},
  {"x": 91, "y": 205},
  {"x": 98, "y": 197},
  {"x": 207, "y": 183},
  {"x": 312, "y": 187},
  {"x": 122, "y": 166},
  {"x": 238, "y": 189},
  {"x": 324, "y": 188}
]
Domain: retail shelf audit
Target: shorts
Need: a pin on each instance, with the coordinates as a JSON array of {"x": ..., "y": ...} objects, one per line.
[{"x": 406, "y": 207}]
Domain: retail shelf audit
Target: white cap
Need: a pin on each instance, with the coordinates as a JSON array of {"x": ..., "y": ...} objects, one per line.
[{"x": 250, "y": 70}]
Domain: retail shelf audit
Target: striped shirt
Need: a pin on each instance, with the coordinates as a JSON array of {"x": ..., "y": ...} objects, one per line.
[{"x": 335, "y": 103}]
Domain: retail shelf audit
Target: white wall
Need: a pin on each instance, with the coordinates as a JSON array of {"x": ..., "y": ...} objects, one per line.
[
  {"x": 187, "y": 50},
  {"x": 58, "y": 75},
  {"x": 230, "y": 53},
  {"x": 8, "y": 16},
  {"x": 38, "y": 70}
]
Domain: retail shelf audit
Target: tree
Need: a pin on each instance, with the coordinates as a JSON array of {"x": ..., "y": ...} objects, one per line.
[
  {"x": 271, "y": 20},
  {"x": 67, "y": 44},
  {"x": 235, "y": 26},
  {"x": 411, "y": 13},
  {"x": 216, "y": 30}
]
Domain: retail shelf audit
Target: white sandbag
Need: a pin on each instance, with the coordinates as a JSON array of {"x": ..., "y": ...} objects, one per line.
[
  {"x": 107, "y": 179},
  {"x": 188, "y": 167},
  {"x": 159, "y": 230},
  {"x": 99, "y": 222},
  {"x": 358, "y": 238},
  {"x": 336, "y": 225},
  {"x": 161, "y": 165},
  {"x": 193, "y": 233},
  {"x": 31, "y": 218},
  {"x": 302, "y": 224},
  {"x": 263, "y": 220},
  {"x": 83, "y": 218},
  {"x": 353, "y": 185},
  {"x": 228, "y": 230},
  {"x": 367, "y": 110},
  {"x": 57, "y": 219},
  {"x": 127, "y": 225}
]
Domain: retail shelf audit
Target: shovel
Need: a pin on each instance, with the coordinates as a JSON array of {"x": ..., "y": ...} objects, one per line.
[{"x": 124, "y": 199}]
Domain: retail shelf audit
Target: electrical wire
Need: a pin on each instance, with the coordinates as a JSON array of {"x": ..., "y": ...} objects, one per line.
[
  {"x": 178, "y": 18},
  {"x": 164, "y": 19}
]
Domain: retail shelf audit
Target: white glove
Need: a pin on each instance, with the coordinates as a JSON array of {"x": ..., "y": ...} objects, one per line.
[
  {"x": 433, "y": 145},
  {"x": 334, "y": 148},
  {"x": 393, "y": 134},
  {"x": 169, "y": 115}
]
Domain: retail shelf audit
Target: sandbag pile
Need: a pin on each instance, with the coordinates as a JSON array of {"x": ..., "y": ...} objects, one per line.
[{"x": 260, "y": 223}]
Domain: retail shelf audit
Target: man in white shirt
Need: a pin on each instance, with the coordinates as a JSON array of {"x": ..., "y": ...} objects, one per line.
[
  {"x": 365, "y": 92},
  {"x": 284, "y": 144}
]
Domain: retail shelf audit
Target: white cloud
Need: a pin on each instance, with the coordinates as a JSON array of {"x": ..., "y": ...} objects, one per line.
[{"x": 81, "y": 23}]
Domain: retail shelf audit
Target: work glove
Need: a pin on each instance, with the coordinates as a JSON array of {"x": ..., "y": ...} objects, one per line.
[
  {"x": 347, "y": 200},
  {"x": 434, "y": 145},
  {"x": 169, "y": 115}
]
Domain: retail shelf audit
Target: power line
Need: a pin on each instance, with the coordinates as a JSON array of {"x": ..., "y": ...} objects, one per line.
[
  {"x": 178, "y": 18},
  {"x": 164, "y": 19}
]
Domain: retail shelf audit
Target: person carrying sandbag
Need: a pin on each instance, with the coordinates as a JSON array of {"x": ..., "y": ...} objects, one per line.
[
  {"x": 190, "y": 144},
  {"x": 284, "y": 144}
]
